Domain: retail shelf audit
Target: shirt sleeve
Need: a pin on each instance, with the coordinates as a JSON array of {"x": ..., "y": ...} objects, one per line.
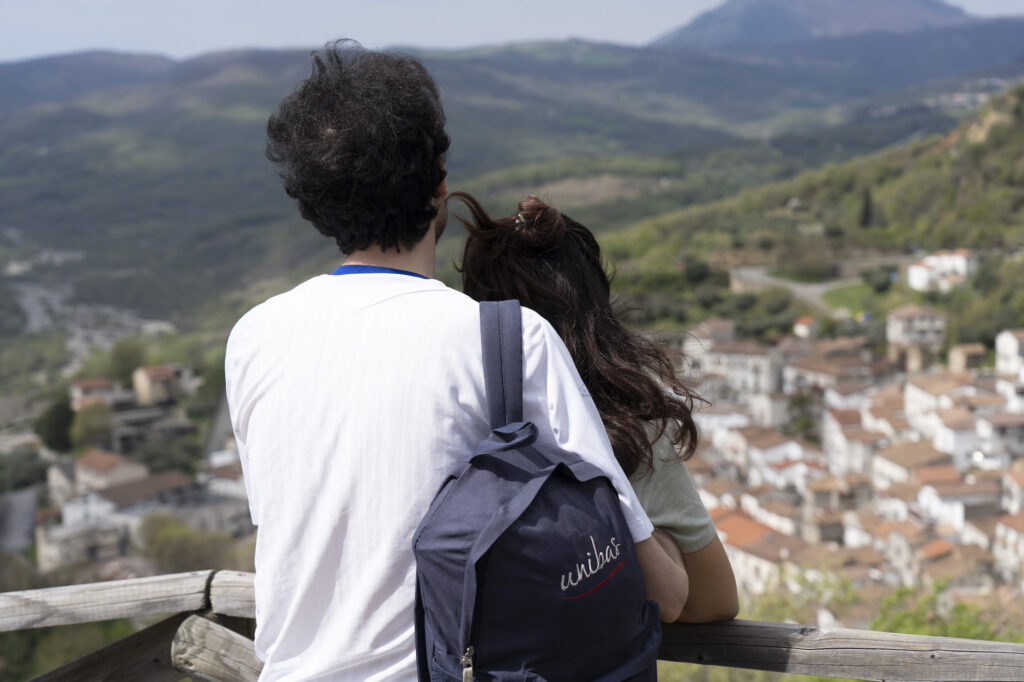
[
  {"x": 239, "y": 404},
  {"x": 555, "y": 399},
  {"x": 669, "y": 496}
]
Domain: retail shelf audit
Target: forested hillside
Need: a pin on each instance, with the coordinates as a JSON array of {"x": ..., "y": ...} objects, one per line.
[
  {"x": 963, "y": 189},
  {"x": 152, "y": 171}
]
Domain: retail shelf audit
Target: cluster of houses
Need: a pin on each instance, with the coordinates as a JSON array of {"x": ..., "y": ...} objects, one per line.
[
  {"x": 99, "y": 499},
  {"x": 916, "y": 476}
]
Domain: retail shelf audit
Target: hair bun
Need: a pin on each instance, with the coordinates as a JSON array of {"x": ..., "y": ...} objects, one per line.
[{"x": 538, "y": 225}]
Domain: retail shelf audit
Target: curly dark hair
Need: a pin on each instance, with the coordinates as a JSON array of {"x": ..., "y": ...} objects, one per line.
[
  {"x": 360, "y": 145},
  {"x": 553, "y": 265}
]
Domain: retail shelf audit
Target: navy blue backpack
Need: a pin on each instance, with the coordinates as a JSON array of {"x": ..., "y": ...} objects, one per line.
[{"x": 525, "y": 567}]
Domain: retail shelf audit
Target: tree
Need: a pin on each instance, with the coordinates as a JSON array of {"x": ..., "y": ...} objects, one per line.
[
  {"x": 802, "y": 410},
  {"x": 867, "y": 208},
  {"x": 21, "y": 469},
  {"x": 126, "y": 355},
  {"x": 180, "y": 454},
  {"x": 54, "y": 425},
  {"x": 92, "y": 426},
  {"x": 176, "y": 547},
  {"x": 928, "y": 611}
]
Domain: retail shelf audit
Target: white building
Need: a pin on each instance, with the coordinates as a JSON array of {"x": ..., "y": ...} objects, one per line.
[
  {"x": 942, "y": 270},
  {"x": 748, "y": 367},
  {"x": 98, "y": 469},
  {"x": 1010, "y": 352},
  {"x": 1008, "y": 548},
  {"x": 954, "y": 433},
  {"x": 1001, "y": 435},
  {"x": 897, "y": 463},
  {"x": 925, "y": 394},
  {"x": 914, "y": 335}
]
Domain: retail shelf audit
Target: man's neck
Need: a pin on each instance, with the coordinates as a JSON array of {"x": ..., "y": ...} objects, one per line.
[{"x": 419, "y": 259}]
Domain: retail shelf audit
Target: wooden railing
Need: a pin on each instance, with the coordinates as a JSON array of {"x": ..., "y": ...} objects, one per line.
[{"x": 210, "y": 612}]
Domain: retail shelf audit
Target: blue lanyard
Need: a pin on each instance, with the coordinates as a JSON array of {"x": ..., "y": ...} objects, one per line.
[{"x": 367, "y": 269}]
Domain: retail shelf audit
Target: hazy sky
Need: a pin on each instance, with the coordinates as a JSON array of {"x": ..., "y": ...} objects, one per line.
[{"x": 181, "y": 28}]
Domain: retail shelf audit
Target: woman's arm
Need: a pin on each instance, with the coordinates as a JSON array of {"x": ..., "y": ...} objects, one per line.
[
  {"x": 717, "y": 598},
  {"x": 709, "y": 568},
  {"x": 664, "y": 577}
]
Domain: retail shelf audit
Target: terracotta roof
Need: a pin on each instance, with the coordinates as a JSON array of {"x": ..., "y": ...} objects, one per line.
[
  {"x": 864, "y": 435},
  {"x": 910, "y": 311},
  {"x": 774, "y": 547},
  {"x": 787, "y": 463},
  {"x": 940, "y": 383},
  {"x": 1014, "y": 521},
  {"x": 717, "y": 513},
  {"x": 980, "y": 400},
  {"x": 970, "y": 348},
  {"x": 232, "y": 471},
  {"x": 780, "y": 508},
  {"x": 939, "y": 473},
  {"x": 913, "y": 455},
  {"x": 99, "y": 460},
  {"x": 159, "y": 372},
  {"x": 906, "y": 492},
  {"x": 1005, "y": 419},
  {"x": 956, "y": 418},
  {"x": 952, "y": 489},
  {"x": 935, "y": 549},
  {"x": 986, "y": 524},
  {"x": 843, "y": 366},
  {"x": 1016, "y": 476},
  {"x": 840, "y": 484},
  {"x": 915, "y": 533},
  {"x": 863, "y": 518},
  {"x": 1019, "y": 333},
  {"x": 889, "y": 397},
  {"x": 741, "y": 348},
  {"x": 763, "y": 438},
  {"x": 851, "y": 385},
  {"x": 740, "y": 529},
  {"x": 128, "y": 494},
  {"x": 831, "y": 557},
  {"x": 721, "y": 486},
  {"x": 804, "y": 319},
  {"x": 846, "y": 417},
  {"x": 94, "y": 383}
]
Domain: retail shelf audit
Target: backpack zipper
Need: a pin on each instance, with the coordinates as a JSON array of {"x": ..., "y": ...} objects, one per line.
[{"x": 467, "y": 665}]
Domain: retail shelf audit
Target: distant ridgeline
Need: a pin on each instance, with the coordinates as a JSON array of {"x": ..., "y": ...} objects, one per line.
[
  {"x": 963, "y": 189},
  {"x": 154, "y": 168}
]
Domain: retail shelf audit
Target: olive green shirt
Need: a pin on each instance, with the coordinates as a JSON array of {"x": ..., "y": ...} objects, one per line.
[{"x": 670, "y": 498}]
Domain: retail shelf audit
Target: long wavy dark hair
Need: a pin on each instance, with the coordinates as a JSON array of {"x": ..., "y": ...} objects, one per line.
[{"x": 552, "y": 264}]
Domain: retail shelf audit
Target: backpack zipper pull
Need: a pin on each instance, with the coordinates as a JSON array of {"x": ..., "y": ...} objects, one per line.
[{"x": 467, "y": 665}]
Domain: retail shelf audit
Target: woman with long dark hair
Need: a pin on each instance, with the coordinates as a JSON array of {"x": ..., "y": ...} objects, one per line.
[{"x": 553, "y": 265}]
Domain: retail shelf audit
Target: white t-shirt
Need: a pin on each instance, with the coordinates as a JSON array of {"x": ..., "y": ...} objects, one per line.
[{"x": 351, "y": 398}]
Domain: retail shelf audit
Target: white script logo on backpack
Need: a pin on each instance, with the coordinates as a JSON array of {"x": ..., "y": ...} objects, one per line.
[{"x": 591, "y": 565}]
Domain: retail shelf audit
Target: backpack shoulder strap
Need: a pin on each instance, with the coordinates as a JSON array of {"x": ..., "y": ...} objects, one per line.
[{"x": 501, "y": 335}]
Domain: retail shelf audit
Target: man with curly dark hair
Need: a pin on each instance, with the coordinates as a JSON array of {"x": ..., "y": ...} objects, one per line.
[{"x": 354, "y": 394}]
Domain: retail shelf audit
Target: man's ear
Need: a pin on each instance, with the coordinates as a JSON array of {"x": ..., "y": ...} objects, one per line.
[{"x": 442, "y": 190}]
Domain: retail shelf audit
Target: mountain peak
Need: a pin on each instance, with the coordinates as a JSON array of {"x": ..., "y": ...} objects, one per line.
[{"x": 771, "y": 22}]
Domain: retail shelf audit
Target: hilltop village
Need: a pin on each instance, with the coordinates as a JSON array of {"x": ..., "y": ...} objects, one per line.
[
  {"x": 822, "y": 458},
  {"x": 824, "y": 461}
]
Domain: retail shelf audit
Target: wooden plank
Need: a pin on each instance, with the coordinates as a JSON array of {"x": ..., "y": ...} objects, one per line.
[
  {"x": 850, "y": 654},
  {"x": 231, "y": 594},
  {"x": 152, "y": 596},
  {"x": 142, "y": 657},
  {"x": 204, "y": 650}
]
